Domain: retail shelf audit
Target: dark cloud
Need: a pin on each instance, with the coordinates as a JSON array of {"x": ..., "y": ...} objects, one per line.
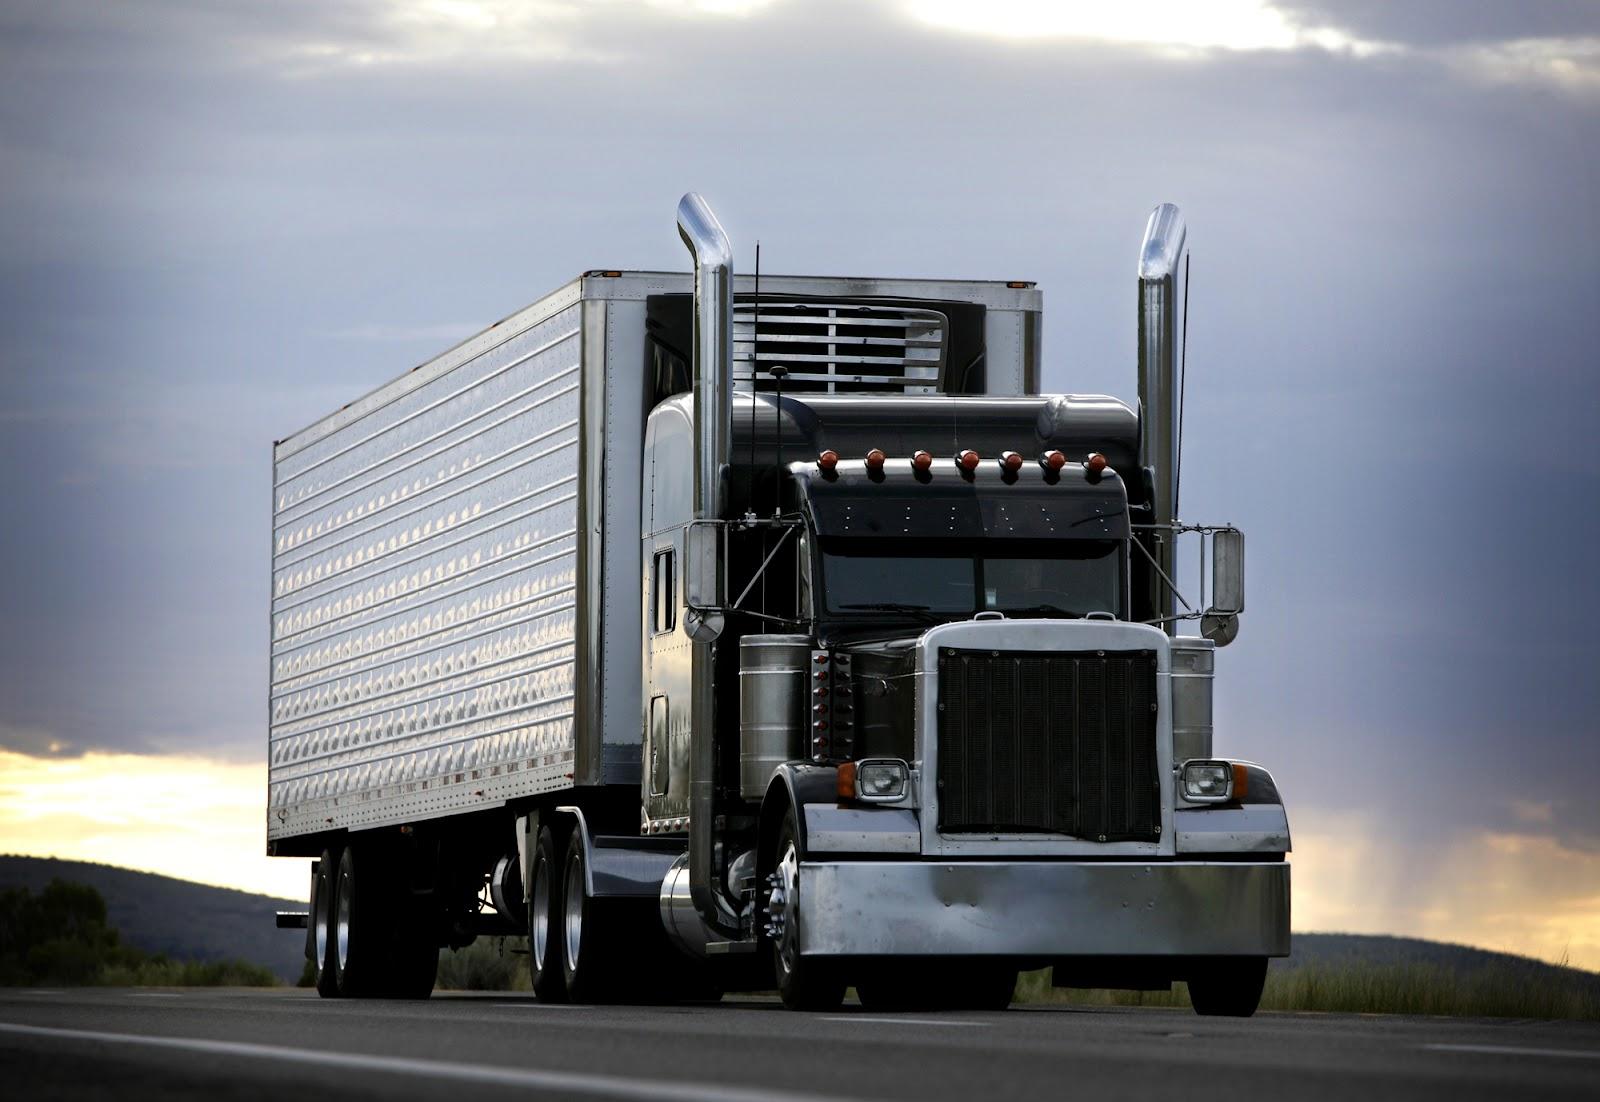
[
  {"x": 223, "y": 221},
  {"x": 1448, "y": 22}
]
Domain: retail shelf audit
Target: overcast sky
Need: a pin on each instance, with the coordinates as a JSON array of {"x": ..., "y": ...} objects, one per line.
[{"x": 223, "y": 220}]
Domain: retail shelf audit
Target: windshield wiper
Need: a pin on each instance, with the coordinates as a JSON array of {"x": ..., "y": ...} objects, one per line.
[{"x": 894, "y": 606}]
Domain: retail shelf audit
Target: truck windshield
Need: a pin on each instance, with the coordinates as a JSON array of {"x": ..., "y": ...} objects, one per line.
[{"x": 956, "y": 578}]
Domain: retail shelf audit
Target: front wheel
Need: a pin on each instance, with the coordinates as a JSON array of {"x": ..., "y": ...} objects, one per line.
[
  {"x": 1229, "y": 987},
  {"x": 805, "y": 983}
]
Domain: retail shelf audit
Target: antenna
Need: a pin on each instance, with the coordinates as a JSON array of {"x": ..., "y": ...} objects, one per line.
[
  {"x": 778, "y": 374},
  {"x": 1183, "y": 386}
]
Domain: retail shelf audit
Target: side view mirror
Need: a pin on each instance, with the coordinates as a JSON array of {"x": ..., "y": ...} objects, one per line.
[
  {"x": 1220, "y": 623},
  {"x": 702, "y": 579}
]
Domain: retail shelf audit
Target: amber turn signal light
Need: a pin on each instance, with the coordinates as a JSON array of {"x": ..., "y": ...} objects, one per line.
[{"x": 847, "y": 781}]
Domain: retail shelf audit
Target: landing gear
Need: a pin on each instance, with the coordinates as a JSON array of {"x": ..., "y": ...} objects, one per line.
[
  {"x": 1228, "y": 987},
  {"x": 805, "y": 983}
]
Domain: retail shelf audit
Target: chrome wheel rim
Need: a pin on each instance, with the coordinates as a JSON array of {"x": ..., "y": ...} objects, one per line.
[
  {"x": 541, "y": 912},
  {"x": 320, "y": 920},
  {"x": 784, "y": 909},
  {"x": 342, "y": 924},
  {"x": 572, "y": 922}
]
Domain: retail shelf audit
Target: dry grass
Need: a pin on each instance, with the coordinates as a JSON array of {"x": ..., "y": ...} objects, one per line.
[
  {"x": 1497, "y": 991},
  {"x": 488, "y": 964}
]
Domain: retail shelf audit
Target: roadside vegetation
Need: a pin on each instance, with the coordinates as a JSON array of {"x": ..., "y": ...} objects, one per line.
[
  {"x": 1493, "y": 991},
  {"x": 59, "y": 936},
  {"x": 488, "y": 964},
  {"x": 1497, "y": 987}
]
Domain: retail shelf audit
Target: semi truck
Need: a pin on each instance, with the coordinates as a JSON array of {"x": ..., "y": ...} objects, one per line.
[{"x": 721, "y": 633}]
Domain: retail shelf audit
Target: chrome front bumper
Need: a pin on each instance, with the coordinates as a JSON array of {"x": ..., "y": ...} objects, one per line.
[{"x": 1044, "y": 908}]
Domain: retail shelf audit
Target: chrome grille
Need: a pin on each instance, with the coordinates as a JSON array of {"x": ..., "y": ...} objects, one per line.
[
  {"x": 840, "y": 347},
  {"x": 1062, "y": 743}
]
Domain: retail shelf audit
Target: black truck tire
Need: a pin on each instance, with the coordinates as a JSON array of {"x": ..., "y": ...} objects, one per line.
[
  {"x": 587, "y": 940},
  {"x": 984, "y": 988},
  {"x": 1229, "y": 987},
  {"x": 412, "y": 966},
  {"x": 929, "y": 983},
  {"x": 544, "y": 922},
  {"x": 384, "y": 942},
  {"x": 355, "y": 967},
  {"x": 321, "y": 934},
  {"x": 805, "y": 983}
]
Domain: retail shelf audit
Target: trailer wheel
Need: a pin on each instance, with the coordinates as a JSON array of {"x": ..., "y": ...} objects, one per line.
[
  {"x": 353, "y": 918},
  {"x": 1229, "y": 987},
  {"x": 413, "y": 944},
  {"x": 584, "y": 938},
  {"x": 321, "y": 941},
  {"x": 544, "y": 919},
  {"x": 805, "y": 983}
]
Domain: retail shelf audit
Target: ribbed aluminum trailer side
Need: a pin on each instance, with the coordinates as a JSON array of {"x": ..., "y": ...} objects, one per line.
[{"x": 456, "y": 612}]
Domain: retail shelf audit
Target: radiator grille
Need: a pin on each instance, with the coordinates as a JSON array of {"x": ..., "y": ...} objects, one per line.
[
  {"x": 1062, "y": 743},
  {"x": 839, "y": 347}
]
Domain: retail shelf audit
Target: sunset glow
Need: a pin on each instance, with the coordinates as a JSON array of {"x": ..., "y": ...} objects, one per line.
[{"x": 201, "y": 820}]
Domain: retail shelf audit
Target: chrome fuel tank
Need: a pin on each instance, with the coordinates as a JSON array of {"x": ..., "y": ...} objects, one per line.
[{"x": 773, "y": 706}]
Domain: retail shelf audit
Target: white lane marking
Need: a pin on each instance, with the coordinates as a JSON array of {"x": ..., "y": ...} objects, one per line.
[
  {"x": 904, "y": 1021},
  {"x": 566, "y": 1082},
  {"x": 1514, "y": 1050}
]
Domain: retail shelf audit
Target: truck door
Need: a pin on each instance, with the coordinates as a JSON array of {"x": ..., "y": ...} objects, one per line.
[{"x": 667, "y": 507}]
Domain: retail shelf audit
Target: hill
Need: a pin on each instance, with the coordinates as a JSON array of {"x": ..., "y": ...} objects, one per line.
[{"x": 182, "y": 919}]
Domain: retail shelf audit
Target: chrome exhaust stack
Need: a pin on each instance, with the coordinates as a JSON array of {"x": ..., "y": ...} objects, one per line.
[
  {"x": 713, "y": 430},
  {"x": 1162, "y": 275}
]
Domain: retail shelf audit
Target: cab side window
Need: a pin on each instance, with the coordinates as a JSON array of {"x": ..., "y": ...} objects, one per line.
[{"x": 663, "y": 593}]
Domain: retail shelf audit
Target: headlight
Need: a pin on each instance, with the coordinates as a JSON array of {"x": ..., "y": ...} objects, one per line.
[
  {"x": 1208, "y": 781},
  {"x": 882, "y": 779}
]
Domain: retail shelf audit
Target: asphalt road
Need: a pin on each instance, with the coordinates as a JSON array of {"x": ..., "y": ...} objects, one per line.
[{"x": 282, "y": 1045}]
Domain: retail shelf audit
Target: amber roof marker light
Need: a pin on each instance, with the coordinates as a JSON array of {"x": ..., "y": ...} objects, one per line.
[
  {"x": 1011, "y": 462},
  {"x": 921, "y": 462},
  {"x": 875, "y": 459},
  {"x": 1053, "y": 460},
  {"x": 968, "y": 460},
  {"x": 1096, "y": 463},
  {"x": 828, "y": 460}
]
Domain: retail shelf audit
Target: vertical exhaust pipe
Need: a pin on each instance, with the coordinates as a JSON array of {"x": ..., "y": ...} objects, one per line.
[
  {"x": 713, "y": 431},
  {"x": 1161, "y": 286}
]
